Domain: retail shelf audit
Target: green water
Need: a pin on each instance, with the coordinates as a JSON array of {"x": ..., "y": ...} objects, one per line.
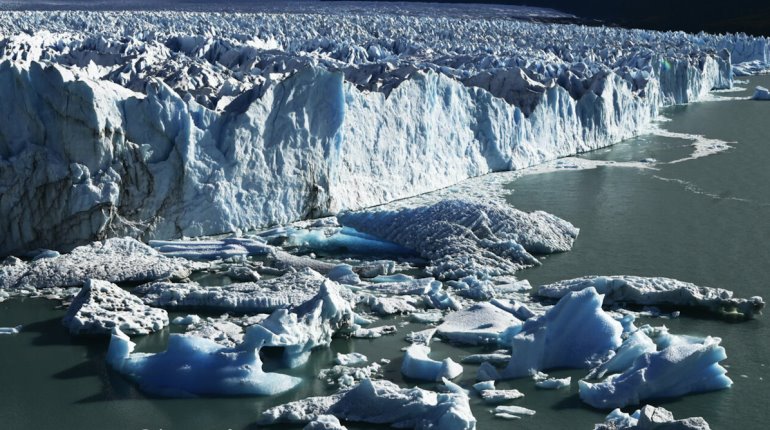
[{"x": 703, "y": 221}]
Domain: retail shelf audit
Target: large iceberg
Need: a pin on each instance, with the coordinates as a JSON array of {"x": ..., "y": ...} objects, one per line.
[
  {"x": 636, "y": 290},
  {"x": 572, "y": 334},
  {"x": 382, "y": 402},
  {"x": 149, "y": 127}
]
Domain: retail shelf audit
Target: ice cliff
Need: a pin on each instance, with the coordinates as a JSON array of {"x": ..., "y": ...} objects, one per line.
[{"x": 159, "y": 125}]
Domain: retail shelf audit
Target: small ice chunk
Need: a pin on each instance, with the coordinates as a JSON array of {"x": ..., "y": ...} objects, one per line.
[
  {"x": 347, "y": 376},
  {"x": 10, "y": 330},
  {"x": 494, "y": 358},
  {"x": 513, "y": 410},
  {"x": 352, "y": 359},
  {"x": 500, "y": 396},
  {"x": 484, "y": 385},
  {"x": 100, "y": 306},
  {"x": 428, "y": 317},
  {"x": 374, "y": 332},
  {"x": 545, "y": 382},
  {"x": 417, "y": 365},
  {"x": 761, "y": 93}
]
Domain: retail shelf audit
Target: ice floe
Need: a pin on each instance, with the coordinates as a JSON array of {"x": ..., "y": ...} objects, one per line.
[{"x": 417, "y": 365}]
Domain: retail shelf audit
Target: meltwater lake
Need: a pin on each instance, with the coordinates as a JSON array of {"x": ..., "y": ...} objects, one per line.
[{"x": 701, "y": 220}]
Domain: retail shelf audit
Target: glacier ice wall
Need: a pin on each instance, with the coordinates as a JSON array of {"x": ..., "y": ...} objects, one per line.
[{"x": 157, "y": 126}]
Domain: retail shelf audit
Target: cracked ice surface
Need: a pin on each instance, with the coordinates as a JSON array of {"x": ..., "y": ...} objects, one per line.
[{"x": 252, "y": 113}]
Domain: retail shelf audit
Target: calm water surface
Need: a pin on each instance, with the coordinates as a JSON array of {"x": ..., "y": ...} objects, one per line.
[{"x": 703, "y": 221}]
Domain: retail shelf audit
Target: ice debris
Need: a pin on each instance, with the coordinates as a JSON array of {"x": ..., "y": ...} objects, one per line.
[
  {"x": 464, "y": 238},
  {"x": 352, "y": 359},
  {"x": 101, "y": 306},
  {"x": 543, "y": 381},
  {"x": 657, "y": 291},
  {"x": 10, "y": 330},
  {"x": 512, "y": 412},
  {"x": 382, "y": 402},
  {"x": 650, "y": 418}
]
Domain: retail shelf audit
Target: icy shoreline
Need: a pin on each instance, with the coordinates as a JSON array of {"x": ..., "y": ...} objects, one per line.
[{"x": 279, "y": 125}]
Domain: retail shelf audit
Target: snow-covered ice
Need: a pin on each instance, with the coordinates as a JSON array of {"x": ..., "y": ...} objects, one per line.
[
  {"x": 543, "y": 381},
  {"x": 657, "y": 291},
  {"x": 101, "y": 306},
  {"x": 352, "y": 359},
  {"x": 325, "y": 422}
]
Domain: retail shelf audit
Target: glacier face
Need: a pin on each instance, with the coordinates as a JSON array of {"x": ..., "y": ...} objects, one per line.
[{"x": 160, "y": 125}]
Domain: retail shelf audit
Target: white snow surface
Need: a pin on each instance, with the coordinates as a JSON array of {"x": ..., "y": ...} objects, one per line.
[
  {"x": 263, "y": 119},
  {"x": 101, "y": 306},
  {"x": 657, "y": 291}
]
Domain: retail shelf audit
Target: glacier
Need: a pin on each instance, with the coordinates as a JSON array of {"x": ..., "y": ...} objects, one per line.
[{"x": 161, "y": 125}]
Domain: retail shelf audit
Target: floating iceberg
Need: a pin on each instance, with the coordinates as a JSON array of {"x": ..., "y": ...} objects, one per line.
[
  {"x": 512, "y": 412},
  {"x": 193, "y": 366},
  {"x": 545, "y": 382},
  {"x": 650, "y": 418},
  {"x": 463, "y": 238},
  {"x": 572, "y": 334},
  {"x": 417, "y": 365},
  {"x": 101, "y": 306},
  {"x": 352, "y": 359},
  {"x": 347, "y": 376},
  {"x": 657, "y": 291},
  {"x": 482, "y": 323},
  {"x": 382, "y": 402},
  {"x": 674, "y": 371}
]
